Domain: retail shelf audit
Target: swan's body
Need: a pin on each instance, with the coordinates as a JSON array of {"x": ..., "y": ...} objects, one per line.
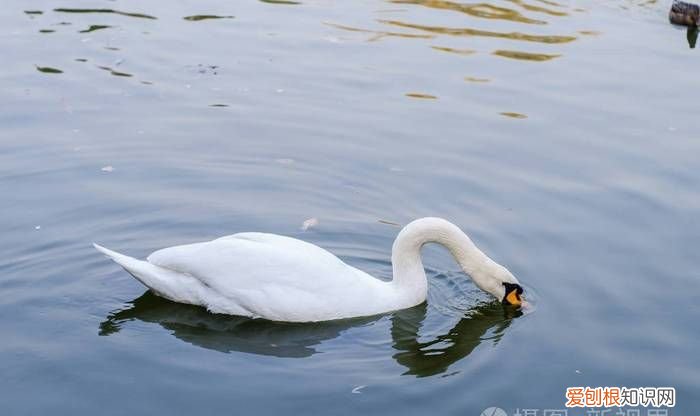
[{"x": 284, "y": 279}]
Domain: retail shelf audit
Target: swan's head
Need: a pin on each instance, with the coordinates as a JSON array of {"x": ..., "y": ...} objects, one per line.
[
  {"x": 512, "y": 294},
  {"x": 498, "y": 281}
]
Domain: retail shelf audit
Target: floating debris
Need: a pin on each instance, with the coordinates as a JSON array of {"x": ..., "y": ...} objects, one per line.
[
  {"x": 81, "y": 60},
  {"x": 48, "y": 70},
  {"x": 421, "y": 95},
  {"x": 200, "y": 17},
  {"x": 107, "y": 168},
  {"x": 513, "y": 115},
  {"x": 218, "y": 105},
  {"x": 33, "y": 12},
  {"x": 46, "y": 31},
  {"x": 311, "y": 222}
]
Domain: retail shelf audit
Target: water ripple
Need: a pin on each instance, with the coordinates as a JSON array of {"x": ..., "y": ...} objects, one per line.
[
  {"x": 481, "y": 10},
  {"x": 101, "y": 11},
  {"x": 549, "y": 39}
]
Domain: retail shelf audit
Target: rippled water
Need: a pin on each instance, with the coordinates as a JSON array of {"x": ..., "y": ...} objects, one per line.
[{"x": 560, "y": 135}]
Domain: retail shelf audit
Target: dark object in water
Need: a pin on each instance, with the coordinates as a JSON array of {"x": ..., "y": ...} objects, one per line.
[
  {"x": 683, "y": 13},
  {"x": 692, "y": 36}
]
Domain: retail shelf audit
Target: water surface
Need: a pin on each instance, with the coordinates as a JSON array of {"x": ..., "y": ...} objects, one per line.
[{"x": 561, "y": 136}]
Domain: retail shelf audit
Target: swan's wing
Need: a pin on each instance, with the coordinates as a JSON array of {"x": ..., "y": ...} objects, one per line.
[
  {"x": 266, "y": 274},
  {"x": 247, "y": 260}
]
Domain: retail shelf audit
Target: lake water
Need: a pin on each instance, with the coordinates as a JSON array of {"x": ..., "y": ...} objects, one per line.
[{"x": 561, "y": 136}]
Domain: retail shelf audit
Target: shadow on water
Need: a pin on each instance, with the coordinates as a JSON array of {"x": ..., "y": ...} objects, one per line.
[
  {"x": 427, "y": 358},
  {"x": 224, "y": 333}
]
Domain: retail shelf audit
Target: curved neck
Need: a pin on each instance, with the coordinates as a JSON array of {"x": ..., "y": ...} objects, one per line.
[{"x": 409, "y": 274}]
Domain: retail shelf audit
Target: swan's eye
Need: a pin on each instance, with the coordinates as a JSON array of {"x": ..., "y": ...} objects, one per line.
[{"x": 513, "y": 292}]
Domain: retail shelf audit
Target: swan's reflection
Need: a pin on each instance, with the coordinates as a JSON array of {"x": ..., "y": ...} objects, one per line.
[
  {"x": 224, "y": 333},
  {"x": 426, "y": 358},
  {"x": 692, "y": 36}
]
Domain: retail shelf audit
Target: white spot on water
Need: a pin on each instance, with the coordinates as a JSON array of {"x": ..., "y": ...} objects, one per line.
[{"x": 311, "y": 222}]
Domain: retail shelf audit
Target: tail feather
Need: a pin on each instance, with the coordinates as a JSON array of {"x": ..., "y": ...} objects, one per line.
[
  {"x": 141, "y": 270},
  {"x": 120, "y": 259},
  {"x": 164, "y": 282}
]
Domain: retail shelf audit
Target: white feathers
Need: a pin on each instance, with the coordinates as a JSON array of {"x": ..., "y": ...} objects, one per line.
[{"x": 284, "y": 279}]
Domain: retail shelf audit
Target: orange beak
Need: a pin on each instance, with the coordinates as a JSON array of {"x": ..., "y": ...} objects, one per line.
[{"x": 513, "y": 298}]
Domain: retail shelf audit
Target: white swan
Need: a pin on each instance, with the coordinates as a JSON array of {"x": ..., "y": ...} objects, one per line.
[{"x": 284, "y": 279}]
